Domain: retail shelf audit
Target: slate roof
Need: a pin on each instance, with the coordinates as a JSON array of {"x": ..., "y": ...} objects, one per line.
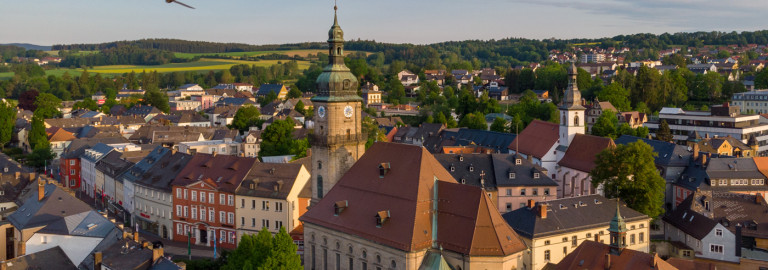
[
  {"x": 113, "y": 165},
  {"x": 536, "y": 139},
  {"x": 468, "y": 222},
  {"x": 41, "y": 260},
  {"x": 733, "y": 168},
  {"x": 235, "y": 101},
  {"x": 98, "y": 152},
  {"x": 669, "y": 154},
  {"x": 223, "y": 172},
  {"x": 693, "y": 176},
  {"x": 271, "y": 180},
  {"x": 166, "y": 169},
  {"x": 186, "y": 86},
  {"x": 576, "y": 214},
  {"x": 116, "y": 256},
  {"x": 503, "y": 164},
  {"x": 142, "y": 110},
  {"x": 683, "y": 218},
  {"x": 58, "y": 210},
  {"x": 88, "y": 143},
  {"x": 182, "y": 117},
  {"x": 264, "y": 89},
  {"x": 498, "y": 141},
  {"x": 592, "y": 255},
  {"x": 11, "y": 185},
  {"x": 468, "y": 167},
  {"x": 583, "y": 150},
  {"x": 141, "y": 167}
]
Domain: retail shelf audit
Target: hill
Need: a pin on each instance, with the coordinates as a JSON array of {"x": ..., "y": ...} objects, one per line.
[{"x": 30, "y": 46}]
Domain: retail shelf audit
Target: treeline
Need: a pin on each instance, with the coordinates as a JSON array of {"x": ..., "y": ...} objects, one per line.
[
  {"x": 185, "y": 46},
  {"x": 8, "y": 52},
  {"x": 121, "y": 55}
]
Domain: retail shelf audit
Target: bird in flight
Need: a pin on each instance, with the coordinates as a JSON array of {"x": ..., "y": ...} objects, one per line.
[{"x": 180, "y": 3}]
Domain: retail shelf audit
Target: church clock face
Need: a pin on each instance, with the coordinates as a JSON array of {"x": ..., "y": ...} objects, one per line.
[
  {"x": 321, "y": 112},
  {"x": 348, "y": 111}
]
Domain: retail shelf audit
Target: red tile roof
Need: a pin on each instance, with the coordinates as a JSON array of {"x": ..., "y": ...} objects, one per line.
[
  {"x": 592, "y": 255},
  {"x": 583, "y": 150},
  {"x": 537, "y": 138},
  {"x": 468, "y": 221},
  {"x": 223, "y": 172}
]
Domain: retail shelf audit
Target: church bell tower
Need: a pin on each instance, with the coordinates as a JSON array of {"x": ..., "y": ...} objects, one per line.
[
  {"x": 337, "y": 141},
  {"x": 572, "y": 118}
]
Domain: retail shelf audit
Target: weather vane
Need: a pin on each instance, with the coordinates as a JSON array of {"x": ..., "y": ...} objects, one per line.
[{"x": 180, "y": 3}]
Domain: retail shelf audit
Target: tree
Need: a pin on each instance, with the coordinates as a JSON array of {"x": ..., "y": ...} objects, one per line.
[
  {"x": 617, "y": 95},
  {"x": 664, "y": 133},
  {"x": 606, "y": 125},
  {"x": 87, "y": 103},
  {"x": 7, "y": 122},
  {"x": 157, "y": 99},
  {"x": 300, "y": 108},
  {"x": 37, "y": 137},
  {"x": 40, "y": 157},
  {"x": 245, "y": 117},
  {"x": 499, "y": 125},
  {"x": 27, "y": 100},
  {"x": 473, "y": 121},
  {"x": 277, "y": 140},
  {"x": 630, "y": 170},
  {"x": 294, "y": 93},
  {"x": 263, "y": 251},
  {"x": 271, "y": 96},
  {"x": 107, "y": 106},
  {"x": 47, "y": 105}
]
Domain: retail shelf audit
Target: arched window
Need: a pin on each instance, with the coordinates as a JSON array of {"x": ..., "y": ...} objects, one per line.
[
  {"x": 349, "y": 134},
  {"x": 338, "y": 50},
  {"x": 319, "y": 187},
  {"x": 565, "y": 120},
  {"x": 576, "y": 120},
  {"x": 319, "y": 164}
]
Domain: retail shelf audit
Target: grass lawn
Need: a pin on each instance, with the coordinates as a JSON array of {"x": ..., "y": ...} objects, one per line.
[{"x": 6, "y": 75}]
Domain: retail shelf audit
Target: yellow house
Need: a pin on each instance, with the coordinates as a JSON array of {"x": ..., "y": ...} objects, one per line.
[
  {"x": 553, "y": 229},
  {"x": 277, "y": 88}
]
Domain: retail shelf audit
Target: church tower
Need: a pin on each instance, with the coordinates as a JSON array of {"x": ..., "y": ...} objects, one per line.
[
  {"x": 337, "y": 141},
  {"x": 618, "y": 231},
  {"x": 572, "y": 118}
]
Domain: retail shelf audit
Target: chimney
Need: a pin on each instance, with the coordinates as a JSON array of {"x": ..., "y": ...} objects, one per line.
[
  {"x": 607, "y": 260},
  {"x": 703, "y": 160},
  {"x": 157, "y": 253},
  {"x": 18, "y": 174},
  {"x": 531, "y": 203},
  {"x": 97, "y": 260},
  {"x": 695, "y": 150},
  {"x": 145, "y": 244},
  {"x": 183, "y": 265},
  {"x": 31, "y": 176},
  {"x": 126, "y": 234},
  {"x": 543, "y": 211},
  {"x": 759, "y": 198},
  {"x": 40, "y": 190}
]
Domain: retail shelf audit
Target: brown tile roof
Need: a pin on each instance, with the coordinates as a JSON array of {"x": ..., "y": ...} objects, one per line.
[
  {"x": 223, "y": 172},
  {"x": 537, "y": 138},
  {"x": 583, "y": 150},
  {"x": 56, "y": 134},
  {"x": 684, "y": 264},
  {"x": 271, "y": 180},
  {"x": 592, "y": 255},
  {"x": 762, "y": 164},
  {"x": 468, "y": 221}
]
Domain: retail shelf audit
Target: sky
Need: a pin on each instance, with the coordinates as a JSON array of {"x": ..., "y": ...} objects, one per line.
[{"x": 48, "y": 22}]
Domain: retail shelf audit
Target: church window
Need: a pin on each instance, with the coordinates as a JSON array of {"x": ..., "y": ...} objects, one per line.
[
  {"x": 576, "y": 120},
  {"x": 319, "y": 187},
  {"x": 338, "y": 50},
  {"x": 349, "y": 134},
  {"x": 319, "y": 165},
  {"x": 565, "y": 121}
]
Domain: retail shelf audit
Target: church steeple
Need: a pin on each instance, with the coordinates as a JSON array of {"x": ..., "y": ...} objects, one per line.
[
  {"x": 336, "y": 79},
  {"x": 572, "y": 98},
  {"x": 618, "y": 231}
]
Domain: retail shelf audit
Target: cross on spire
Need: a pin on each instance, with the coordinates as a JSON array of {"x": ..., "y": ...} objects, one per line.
[{"x": 482, "y": 174}]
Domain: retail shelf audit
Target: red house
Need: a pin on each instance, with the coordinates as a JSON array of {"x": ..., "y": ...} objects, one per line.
[
  {"x": 69, "y": 168},
  {"x": 204, "y": 199}
]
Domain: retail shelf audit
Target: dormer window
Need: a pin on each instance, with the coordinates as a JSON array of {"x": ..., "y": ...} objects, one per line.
[
  {"x": 461, "y": 158},
  {"x": 471, "y": 168},
  {"x": 518, "y": 161},
  {"x": 381, "y": 218},
  {"x": 384, "y": 169},
  {"x": 5, "y": 169},
  {"x": 339, "y": 207},
  {"x": 453, "y": 168},
  {"x": 463, "y": 181},
  {"x": 535, "y": 175},
  {"x": 511, "y": 175}
]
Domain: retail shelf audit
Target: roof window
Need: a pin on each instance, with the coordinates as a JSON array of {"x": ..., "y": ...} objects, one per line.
[
  {"x": 382, "y": 217},
  {"x": 339, "y": 207},
  {"x": 384, "y": 169}
]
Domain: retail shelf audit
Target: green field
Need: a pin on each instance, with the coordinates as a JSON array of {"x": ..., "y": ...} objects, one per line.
[
  {"x": 6, "y": 75},
  {"x": 204, "y": 64},
  {"x": 229, "y": 54}
]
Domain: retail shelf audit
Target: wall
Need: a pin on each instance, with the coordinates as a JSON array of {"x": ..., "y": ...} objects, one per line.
[{"x": 156, "y": 201}]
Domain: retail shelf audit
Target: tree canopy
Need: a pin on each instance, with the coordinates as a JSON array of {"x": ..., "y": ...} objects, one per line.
[
  {"x": 664, "y": 133},
  {"x": 277, "y": 140},
  {"x": 628, "y": 171},
  {"x": 263, "y": 251},
  {"x": 246, "y": 117}
]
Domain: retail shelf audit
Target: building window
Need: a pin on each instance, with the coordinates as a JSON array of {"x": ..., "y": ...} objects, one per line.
[
  {"x": 715, "y": 248},
  {"x": 535, "y": 191},
  {"x": 185, "y": 193},
  {"x": 522, "y": 192},
  {"x": 72, "y": 162},
  {"x": 253, "y": 222},
  {"x": 178, "y": 192},
  {"x": 535, "y": 175},
  {"x": 71, "y": 172},
  {"x": 546, "y": 255},
  {"x": 509, "y": 192},
  {"x": 278, "y": 224},
  {"x": 222, "y": 217},
  {"x": 194, "y": 211},
  {"x": 511, "y": 175},
  {"x": 319, "y": 165},
  {"x": 546, "y": 242},
  {"x": 632, "y": 239},
  {"x": 265, "y": 205},
  {"x": 211, "y": 214},
  {"x": 565, "y": 239},
  {"x": 719, "y": 232},
  {"x": 509, "y": 207},
  {"x": 278, "y": 207},
  {"x": 210, "y": 198},
  {"x": 221, "y": 199},
  {"x": 319, "y": 187},
  {"x": 202, "y": 197},
  {"x": 642, "y": 237},
  {"x": 231, "y": 200},
  {"x": 565, "y": 250},
  {"x": 574, "y": 241},
  {"x": 202, "y": 213},
  {"x": 185, "y": 210},
  {"x": 242, "y": 203},
  {"x": 518, "y": 161},
  {"x": 194, "y": 196},
  {"x": 546, "y": 191},
  {"x": 231, "y": 218},
  {"x": 179, "y": 228}
]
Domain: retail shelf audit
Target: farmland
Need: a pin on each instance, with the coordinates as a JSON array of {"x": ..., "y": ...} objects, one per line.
[{"x": 291, "y": 53}]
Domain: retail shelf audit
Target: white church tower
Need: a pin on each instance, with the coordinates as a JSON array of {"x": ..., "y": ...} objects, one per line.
[{"x": 572, "y": 118}]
